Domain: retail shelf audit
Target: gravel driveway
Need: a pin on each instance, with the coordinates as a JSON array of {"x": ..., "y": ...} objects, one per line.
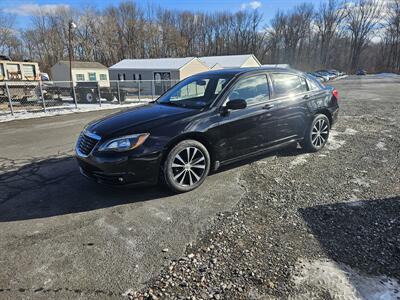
[
  {"x": 289, "y": 225},
  {"x": 309, "y": 226}
]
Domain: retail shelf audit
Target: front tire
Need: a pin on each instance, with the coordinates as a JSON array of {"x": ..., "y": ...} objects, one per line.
[
  {"x": 186, "y": 166},
  {"x": 317, "y": 134}
]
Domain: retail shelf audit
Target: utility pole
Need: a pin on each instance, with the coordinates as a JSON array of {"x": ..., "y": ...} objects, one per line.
[{"x": 71, "y": 25}]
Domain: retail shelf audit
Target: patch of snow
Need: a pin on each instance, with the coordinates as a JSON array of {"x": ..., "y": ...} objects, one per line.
[
  {"x": 350, "y": 131},
  {"x": 361, "y": 182},
  {"x": 333, "y": 143},
  {"x": 381, "y": 146},
  {"x": 388, "y": 75},
  {"x": 342, "y": 282},
  {"x": 299, "y": 160},
  {"x": 62, "y": 110}
]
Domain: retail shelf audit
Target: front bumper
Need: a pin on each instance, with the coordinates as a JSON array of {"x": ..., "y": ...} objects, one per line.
[{"x": 121, "y": 169}]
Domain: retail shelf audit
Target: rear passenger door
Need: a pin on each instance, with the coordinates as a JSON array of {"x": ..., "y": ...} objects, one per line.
[{"x": 290, "y": 94}]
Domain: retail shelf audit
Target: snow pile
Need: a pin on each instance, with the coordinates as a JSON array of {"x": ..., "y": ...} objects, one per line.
[
  {"x": 342, "y": 282},
  {"x": 62, "y": 110}
]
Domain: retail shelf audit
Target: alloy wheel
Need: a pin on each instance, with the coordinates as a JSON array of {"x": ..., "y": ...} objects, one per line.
[
  {"x": 319, "y": 133},
  {"x": 188, "y": 166}
]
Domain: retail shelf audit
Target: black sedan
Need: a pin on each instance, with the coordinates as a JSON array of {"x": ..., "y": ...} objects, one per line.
[{"x": 206, "y": 121}]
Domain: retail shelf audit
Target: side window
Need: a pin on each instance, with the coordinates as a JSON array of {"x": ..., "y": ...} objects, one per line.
[
  {"x": 313, "y": 85},
  {"x": 253, "y": 89},
  {"x": 286, "y": 84}
]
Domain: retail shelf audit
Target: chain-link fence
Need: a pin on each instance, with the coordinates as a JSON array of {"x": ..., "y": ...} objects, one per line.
[{"x": 41, "y": 96}]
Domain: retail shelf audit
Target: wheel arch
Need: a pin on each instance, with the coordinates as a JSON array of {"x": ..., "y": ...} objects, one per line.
[
  {"x": 325, "y": 112},
  {"x": 197, "y": 136}
]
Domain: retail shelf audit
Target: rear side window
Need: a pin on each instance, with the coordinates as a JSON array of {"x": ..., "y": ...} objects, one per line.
[
  {"x": 287, "y": 84},
  {"x": 253, "y": 89},
  {"x": 313, "y": 84}
]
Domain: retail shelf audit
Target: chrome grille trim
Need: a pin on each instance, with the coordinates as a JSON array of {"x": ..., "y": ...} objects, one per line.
[{"x": 86, "y": 143}]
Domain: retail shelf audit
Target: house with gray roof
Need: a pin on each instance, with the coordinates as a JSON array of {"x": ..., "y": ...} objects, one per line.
[
  {"x": 81, "y": 71},
  {"x": 163, "y": 71},
  {"x": 230, "y": 61}
]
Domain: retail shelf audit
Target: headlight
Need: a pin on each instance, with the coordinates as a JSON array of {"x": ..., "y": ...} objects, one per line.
[{"x": 124, "y": 143}]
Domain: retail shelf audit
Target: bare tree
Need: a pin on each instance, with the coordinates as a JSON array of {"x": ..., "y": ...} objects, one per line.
[
  {"x": 328, "y": 20},
  {"x": 391, "y": 40},
  {"x": 362, "y": 19}
]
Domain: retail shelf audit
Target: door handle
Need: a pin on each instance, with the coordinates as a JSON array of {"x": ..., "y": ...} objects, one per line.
[
  {"x": 268, "y": 106},
  {"x": 306, "y": 97}
]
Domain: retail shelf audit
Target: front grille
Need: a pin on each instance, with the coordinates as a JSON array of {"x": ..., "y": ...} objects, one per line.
[{"x": 86, "y": 144}]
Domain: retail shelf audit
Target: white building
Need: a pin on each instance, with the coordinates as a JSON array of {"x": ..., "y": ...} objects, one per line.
[
  {"x": 81, "y": 71},
  {"x": 230, "y": 61}
]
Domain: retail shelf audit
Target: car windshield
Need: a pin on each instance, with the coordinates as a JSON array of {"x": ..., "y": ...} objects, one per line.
[{"x": 196, "y": 91}]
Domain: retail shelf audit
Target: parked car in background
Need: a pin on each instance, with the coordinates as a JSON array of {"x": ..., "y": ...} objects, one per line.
[
  {"x": 335, "y": 72},
  {"x": 317, "y": 77},
  {"x": 361, "y": 72},
  {"x": 324, "y": 75},
  {"x": 206, "y": 121},
  {"x": 330, "y": 75}
]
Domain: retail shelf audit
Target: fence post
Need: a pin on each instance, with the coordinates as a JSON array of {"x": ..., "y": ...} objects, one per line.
[
  {"x": 74, "y": 96},
  {"x": 41, "y": 95},
  {"x": 98, "y": 91},
  {"x": 9, "y": 100},
  {"x": 139, "y": 91},
  {"x": 119, "y": 93}
]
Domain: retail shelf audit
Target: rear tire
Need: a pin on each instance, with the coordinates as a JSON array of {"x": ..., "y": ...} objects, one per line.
[
  {"x": 317, "y": 134},
  {"x": 186, "y": 166}
]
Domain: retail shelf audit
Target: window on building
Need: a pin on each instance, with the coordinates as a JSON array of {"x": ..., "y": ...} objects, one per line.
[
  {"x": 103, "y": 76},
  {"x": 121, "y": 76},
  {"x": 92, "y": 76},
  {"x": 80, "y": 77}
]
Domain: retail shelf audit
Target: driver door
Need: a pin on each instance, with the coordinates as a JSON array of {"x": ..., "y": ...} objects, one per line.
[{"x": 239, "y": 131}]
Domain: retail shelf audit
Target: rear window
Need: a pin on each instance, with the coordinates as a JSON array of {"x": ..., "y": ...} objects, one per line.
[{"x": 287, "y": 84}]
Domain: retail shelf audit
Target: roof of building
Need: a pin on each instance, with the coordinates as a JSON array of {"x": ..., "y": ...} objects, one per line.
[
  {"x": 153, "y": 63},
  {"x": 227, "y": 61},
  {"x": 84, "y": 64}
]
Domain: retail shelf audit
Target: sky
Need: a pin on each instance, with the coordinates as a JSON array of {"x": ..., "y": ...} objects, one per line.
[{"x": 23, "y": 9}]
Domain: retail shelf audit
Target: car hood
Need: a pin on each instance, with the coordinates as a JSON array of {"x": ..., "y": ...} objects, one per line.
[{"x": 137, "y": 119}]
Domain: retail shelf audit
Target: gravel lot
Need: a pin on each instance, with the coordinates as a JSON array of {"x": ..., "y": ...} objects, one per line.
[{"x": 289, "y": 225}]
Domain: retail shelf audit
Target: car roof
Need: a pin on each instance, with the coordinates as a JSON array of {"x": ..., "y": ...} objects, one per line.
[{"x": 241, "y": 71}]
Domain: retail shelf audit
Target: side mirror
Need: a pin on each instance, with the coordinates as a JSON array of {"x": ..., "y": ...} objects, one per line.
[{"x": 236, "y": 104}]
